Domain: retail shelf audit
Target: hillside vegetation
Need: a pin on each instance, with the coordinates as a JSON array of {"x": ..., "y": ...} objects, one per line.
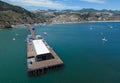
[{"x": 11, "y": 15}]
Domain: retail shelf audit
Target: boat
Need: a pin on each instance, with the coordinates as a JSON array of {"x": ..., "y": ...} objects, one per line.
[
  {"x": 45, "y": 33},
  {"x": 13, "y": 38},
  {"x": 104, "y": 39},
  {"x": 39, "y": 37}
]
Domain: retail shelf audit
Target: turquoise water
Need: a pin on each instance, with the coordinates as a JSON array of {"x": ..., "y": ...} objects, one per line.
[{"x": 87, "y": 59}]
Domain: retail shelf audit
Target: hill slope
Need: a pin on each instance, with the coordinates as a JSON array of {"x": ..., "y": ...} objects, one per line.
[
  {"x": 63, "y": 16},
  {"x": 10, "y": 15}
]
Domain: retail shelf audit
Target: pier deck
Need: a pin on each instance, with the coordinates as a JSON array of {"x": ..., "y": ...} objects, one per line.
[
  {"x": 32, "y": 33},
  {"x": 29, "y": 51},
  {"x": 40, "y": 66}
]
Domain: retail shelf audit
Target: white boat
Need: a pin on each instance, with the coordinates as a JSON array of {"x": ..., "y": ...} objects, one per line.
[
  {"x": 45, "y": 33},
  {"x": 104, "y": 39},
  {"x": 13, "y": 38},
  {"x": 38, "y": 36}
]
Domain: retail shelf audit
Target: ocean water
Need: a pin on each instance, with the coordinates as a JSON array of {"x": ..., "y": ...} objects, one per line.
[{"x": 87, "y": 57}]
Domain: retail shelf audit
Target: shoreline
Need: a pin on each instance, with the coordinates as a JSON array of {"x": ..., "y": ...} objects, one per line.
[
  {"x": 44, "y": 24},
  {"x": 87, "y": 22}
]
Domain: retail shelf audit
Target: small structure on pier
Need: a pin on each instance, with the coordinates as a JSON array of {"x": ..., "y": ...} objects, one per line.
[
  {"x": 40, "y": 56},
  {"x": 40, "y": 50}
]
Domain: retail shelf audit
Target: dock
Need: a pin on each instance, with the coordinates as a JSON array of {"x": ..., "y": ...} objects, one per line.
[{"x": 40, "y": 56}]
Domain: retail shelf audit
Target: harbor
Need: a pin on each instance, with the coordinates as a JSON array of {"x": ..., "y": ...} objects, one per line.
[
  {"x": 84, "y": 62},
  {"x": 40, "y": 56}
]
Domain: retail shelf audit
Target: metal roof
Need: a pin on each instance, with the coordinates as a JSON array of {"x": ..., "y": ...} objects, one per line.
[{"x": 40, "y": 47}]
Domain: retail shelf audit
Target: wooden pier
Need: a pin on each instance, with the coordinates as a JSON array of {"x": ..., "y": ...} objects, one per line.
[
  {"x": 32, "y": 32},
  {"x": 36, "y": 68}
]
